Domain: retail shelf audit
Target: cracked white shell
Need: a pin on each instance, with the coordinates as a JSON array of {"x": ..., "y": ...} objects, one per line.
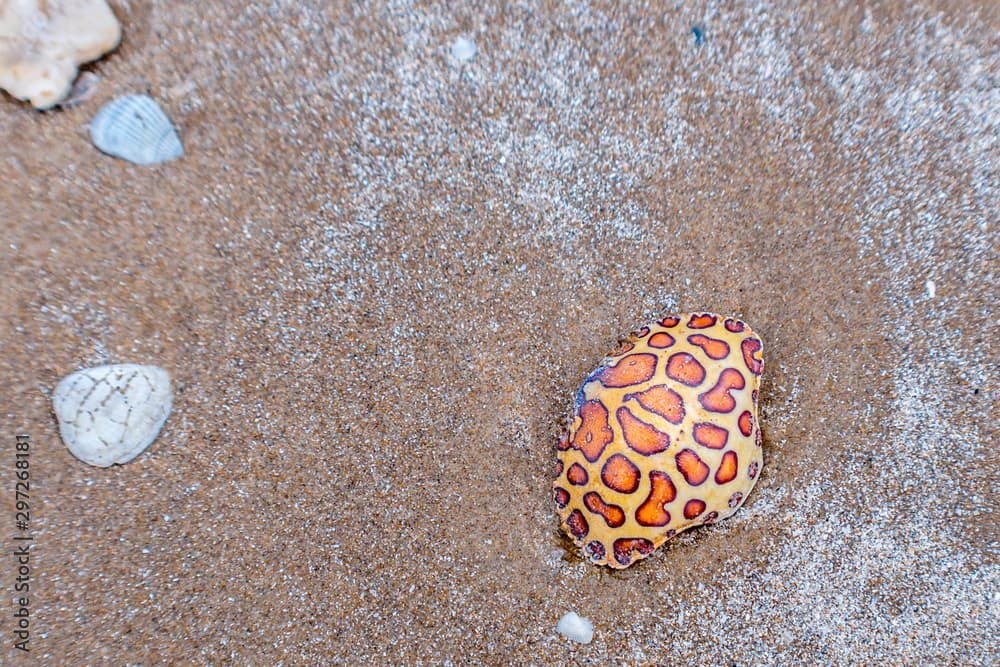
[
  {"x": 42, "y": 42},
  {"x": 110, "y": 414}
]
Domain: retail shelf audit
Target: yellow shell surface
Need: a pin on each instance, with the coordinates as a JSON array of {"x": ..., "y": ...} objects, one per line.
[{"x": 664, "y": 436}]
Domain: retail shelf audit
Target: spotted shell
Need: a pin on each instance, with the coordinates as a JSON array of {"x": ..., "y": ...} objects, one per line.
[{"x": 664, "y": 436}]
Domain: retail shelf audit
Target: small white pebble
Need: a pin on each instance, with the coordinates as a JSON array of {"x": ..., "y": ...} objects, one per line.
[
  {"x": 463, "y": 49},
  {"x": 575, "y": 627},
  {"x": 931, "y": 289}
]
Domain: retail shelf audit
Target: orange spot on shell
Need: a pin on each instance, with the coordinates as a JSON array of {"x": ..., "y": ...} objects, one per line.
[
  {"x": 734, "y": 326},
  {"x": 613, "y": 515},
  {"x": 703, "y": 321},
  {"x": 629, "y": 370},
  {"x": 727, "y": 469},
  {"x": 693, "y": 508},
  {"x": 713, "y": 347},
  {"x": 684, "y": 368},
  {"x": 670, "y": 321},
  {"x": 753, "y": 355},
  {"x": 710, "y": 435},
  {"x": 746, "y": 423},
  {"x": 620, "y": 474},
  {"x": 661, "y": 400},
  {"x": 660, "y": 340},
  {"x": 577, "y": 524},
  {"x": 692, "y": 467},
  {"x": 594, "y": 433},
  {"x": 596, "y": 551},
  {"x": 718, "y": 398},
  {"x": 624, "y": 547},
  {"x": 639, "y": 435},
  {"x": 563, "y": 443},
  {"x": 577, "y": 475},
  {"x": 561, "y": 497},
  {"x": 652, "y": 511}
]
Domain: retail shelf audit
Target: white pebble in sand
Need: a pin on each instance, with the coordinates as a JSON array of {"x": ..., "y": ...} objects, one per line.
[
  {"x": 463, "y": 49},
  {"x": 110, "y": 414},
  {"x": 575, "y": 627}
]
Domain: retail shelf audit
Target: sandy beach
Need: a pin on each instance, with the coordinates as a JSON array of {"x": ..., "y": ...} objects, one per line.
[{"x": 380, "y": 272}]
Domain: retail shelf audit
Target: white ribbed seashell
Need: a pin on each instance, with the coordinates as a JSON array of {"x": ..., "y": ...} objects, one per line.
[
  {"x": 136, "y": 129},
  {"x": 110, "y": 414}
]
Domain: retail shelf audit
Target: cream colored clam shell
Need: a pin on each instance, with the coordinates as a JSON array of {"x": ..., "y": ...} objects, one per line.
[{"x": 110, "y": 414}]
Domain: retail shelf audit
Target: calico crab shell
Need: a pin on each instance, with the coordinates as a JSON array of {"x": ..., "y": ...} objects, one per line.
[{"x": 664, "y": 436}]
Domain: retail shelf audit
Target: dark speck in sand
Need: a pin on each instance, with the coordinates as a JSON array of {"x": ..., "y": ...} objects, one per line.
[{"x": 699, "y": 35}]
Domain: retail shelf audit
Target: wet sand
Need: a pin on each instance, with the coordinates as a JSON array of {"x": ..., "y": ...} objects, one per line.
[{"x": 379, "y": 275}]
